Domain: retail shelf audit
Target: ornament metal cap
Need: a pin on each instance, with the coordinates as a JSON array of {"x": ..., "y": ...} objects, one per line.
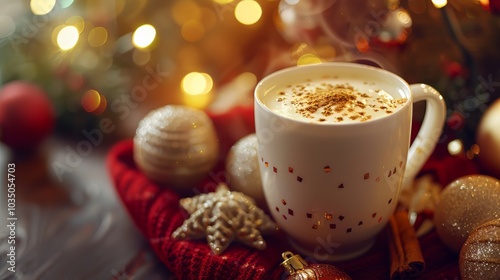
[{"x": 292, "y": 262}]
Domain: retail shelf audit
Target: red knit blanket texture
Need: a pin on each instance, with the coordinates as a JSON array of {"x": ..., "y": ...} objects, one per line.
[{"x": 156, "y": 212}]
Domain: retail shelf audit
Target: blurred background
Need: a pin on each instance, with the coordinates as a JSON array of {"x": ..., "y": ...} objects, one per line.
[
  {"x": 96, "y": 59},
  {"x": 68, "y": 67}
]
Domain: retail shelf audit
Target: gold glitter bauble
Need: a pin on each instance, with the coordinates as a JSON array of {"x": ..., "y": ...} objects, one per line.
[
  {"x": 465, "y": 204},
  {"x": 298, "y": 269},
  {"x": 242, "y": 165},
  {"x": 480, "y": 255},
  {"x": 176, "y": 145},
  {"x": 488, "y": 139}
]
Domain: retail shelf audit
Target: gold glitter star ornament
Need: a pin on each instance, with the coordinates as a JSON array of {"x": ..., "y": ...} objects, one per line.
[{"x": 223, "y": 216}]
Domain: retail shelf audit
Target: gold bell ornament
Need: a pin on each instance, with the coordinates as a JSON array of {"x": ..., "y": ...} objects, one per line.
[{"x": 298, "y": 269}]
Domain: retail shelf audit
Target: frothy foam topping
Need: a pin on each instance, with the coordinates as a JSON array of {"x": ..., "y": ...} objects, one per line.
[{"x": 331, "y": 101}]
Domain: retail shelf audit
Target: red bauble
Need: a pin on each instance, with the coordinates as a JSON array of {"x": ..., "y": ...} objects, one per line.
[{"x": 26, "y": 115}]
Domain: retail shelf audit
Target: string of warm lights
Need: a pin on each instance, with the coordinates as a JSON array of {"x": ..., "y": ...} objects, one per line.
[
  {"x": 202, "y": 39},
  {"x": 193, "y": 19}
]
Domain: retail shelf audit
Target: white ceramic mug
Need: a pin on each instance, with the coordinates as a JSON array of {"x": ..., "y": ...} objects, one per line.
[{"x": 333, "y": 187}]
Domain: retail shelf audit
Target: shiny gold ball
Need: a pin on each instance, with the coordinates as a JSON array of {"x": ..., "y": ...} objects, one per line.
[
  {"x": 465, "y": 204},
  {"x": 242, "y": 166},
  {"x": 480, "y": 255},
  {"x": 488, "y": 139},
  {"x": 176, "y": 146}
]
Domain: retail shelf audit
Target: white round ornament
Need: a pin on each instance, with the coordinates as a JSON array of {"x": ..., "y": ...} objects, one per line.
[
  {"x": 242, "y": 166},
  {"x": 465, "y": 204},
  {"x": 176, "y": 146}
]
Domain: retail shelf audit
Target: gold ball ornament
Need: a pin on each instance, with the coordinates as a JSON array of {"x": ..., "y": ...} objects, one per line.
[
  {"x": 488, "y": 139},
  {"x": 480, "y": 255},
  {"x": 176, "y": 146},
  {"x": 465, "y": 204},
  {"x": 242, "y": 166},
  {"x": 298, "y": 269}
]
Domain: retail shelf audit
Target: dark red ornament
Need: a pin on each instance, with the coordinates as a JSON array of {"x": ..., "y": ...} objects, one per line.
[{"x": 298, "y": 269}]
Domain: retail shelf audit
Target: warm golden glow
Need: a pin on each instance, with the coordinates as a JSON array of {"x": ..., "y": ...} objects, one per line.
[
  {"x": 404, "y": 18},
  {"x": 208, "y": 18},
  {"x": 308, "y": 58},
  {"x": 362, "y": 45},
  {"x": 98, "y": 36},
  {"x": 192, "y": 31},
  {"x": 439, "y": 3},
  {"x": 77, "y": 22},
  {"x": 222, "y": 2},
  {"x": 42, "y": 7},
  {"x": 196, "y": 83},
  {"x": 91, "y": 100},
  {"x": 185, "y": 10},
  {"x": 484, "y": 3},
  {"x": 200, "y": 101},
  {"x": 144, "y": 36},
  {"x": 455, "y": 147},
  {"x": 248, "y": 78},
  {"x": 94, "y": 102},
  {"x": 55, "y": 33},
  {"x": 475, "y": 149},
  {"x": 67, "y": 37},
  {"x": 248, "y": 12}
]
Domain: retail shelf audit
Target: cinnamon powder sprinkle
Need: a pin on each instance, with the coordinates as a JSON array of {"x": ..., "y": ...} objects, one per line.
[{"x": 337, "y": 99}]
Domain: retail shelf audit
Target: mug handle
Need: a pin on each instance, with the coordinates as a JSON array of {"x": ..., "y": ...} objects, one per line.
[{"x": 429, "y": 133}]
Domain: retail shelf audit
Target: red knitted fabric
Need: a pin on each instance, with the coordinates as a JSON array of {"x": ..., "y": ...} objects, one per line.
[{"x": 155, "y": 211}]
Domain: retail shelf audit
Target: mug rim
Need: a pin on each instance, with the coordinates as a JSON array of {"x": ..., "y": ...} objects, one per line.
[{"x": 275, "y": 74}]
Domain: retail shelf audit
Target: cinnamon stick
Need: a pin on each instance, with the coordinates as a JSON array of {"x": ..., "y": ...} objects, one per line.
[{"x": 406, "y": 257}]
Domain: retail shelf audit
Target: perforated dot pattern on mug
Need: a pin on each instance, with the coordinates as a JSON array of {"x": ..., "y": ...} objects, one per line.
[{"x": 331, "y": 219}]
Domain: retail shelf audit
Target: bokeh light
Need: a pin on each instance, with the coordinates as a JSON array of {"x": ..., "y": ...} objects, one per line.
[
  {"x": 65, "y": 3},
  {"x": 223, "y": 2},
  {"x": 196, "y": 87},
  {"x": 196, "y": 83},
  {"x": 439, "y": 3},
  {"x": 192, "y": 31},
  {"x": 308, "y": 58},
  {"x": 248, "y": 12},
  {"x": 98, "y": 36},
  {"x": 475, "y": 149},
  {"x": 484, "y": 3},
  {"x": 404, "y": 18},
  {"x": 91, "y": 100},
  {"x": 67, "y": 37},
  {"x": 362, "y": 44},
  {"x": 455, "y": 147},
  {"x": 42, "y": 7},
  {"x": 208, "y": 18},
  {"x": 143, "y": 36},
  {"x": 185, "y": 10},
  {"x": 77, "y": 22}
]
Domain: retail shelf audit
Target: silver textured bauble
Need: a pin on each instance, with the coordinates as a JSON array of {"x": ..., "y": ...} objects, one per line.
[
  {"x": 242, "y": 166},
  {"x": 176, "y": 145}
]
